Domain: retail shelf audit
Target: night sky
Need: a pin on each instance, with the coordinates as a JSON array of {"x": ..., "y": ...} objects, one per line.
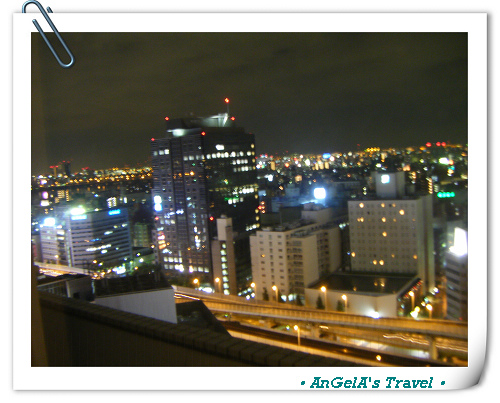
[{"x": 297, "y": 92}]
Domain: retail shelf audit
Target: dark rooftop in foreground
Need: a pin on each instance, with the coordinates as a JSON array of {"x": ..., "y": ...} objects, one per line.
[{"x": 74, "y": 331}]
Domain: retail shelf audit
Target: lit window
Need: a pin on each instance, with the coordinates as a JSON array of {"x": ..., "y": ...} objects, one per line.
[
  {"x": 361, "y": 205},
  {"x": 402, "y": 212},
  {"x": 384, "y": 233}
]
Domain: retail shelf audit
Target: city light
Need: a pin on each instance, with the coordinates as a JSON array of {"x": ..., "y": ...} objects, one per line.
[
  {"x": 49, "y": 222},
  {"x": 445, "y": 195},
  {"x": 319, "y": 193},
  {"x": 460, "y": 247}
]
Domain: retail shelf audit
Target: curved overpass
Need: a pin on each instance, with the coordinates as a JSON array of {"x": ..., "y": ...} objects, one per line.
[{"x": 238, "y": 305}]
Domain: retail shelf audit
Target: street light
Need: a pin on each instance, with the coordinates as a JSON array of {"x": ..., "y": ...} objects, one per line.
[
  {"x": 196, "y": 281},
  {"x": 217, "y": 281},
  {"x": 429, "y": 308},
  {"x": 412, "y": 295},
  {"x": 254, "y": 286},
  {"x": 275, "y": 289},
  {"x": 324, "y": 290},
  {"x": 344, "y": 297},
  {"x": 297, "y": 329}
]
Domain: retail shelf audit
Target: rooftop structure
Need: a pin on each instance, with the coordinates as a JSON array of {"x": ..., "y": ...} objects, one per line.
[{"x": 367, "y": 294}]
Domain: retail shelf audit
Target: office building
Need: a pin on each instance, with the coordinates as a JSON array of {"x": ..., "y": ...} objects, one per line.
[
  {"x": 87, "y": 238},
  {"x": 391, "y": 232},
  {"x": 456, "y": 270},
  {"x": 224, "y": 257},
  {"x": 54, "y": 245},
  {"x": 203, "y": 169},
  {"x": 285, "y": 258}
]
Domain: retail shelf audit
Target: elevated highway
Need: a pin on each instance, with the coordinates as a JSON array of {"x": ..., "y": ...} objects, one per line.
[{"x": 237, "y": 305}]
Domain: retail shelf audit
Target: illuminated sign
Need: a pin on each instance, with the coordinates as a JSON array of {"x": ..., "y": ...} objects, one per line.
[
  {"x": 445, "y": 195},
  {"x": 79, "y": 217},
  {"x": 385, "y": 178},
  {"x": 114, "y": 212},
  {"x": 158, "y": 207}
]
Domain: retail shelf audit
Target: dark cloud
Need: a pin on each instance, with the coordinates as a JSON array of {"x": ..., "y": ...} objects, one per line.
[{"x": 301, "y": 92}]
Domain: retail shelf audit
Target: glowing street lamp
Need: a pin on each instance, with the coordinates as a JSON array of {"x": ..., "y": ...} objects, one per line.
[
  {"x": 344, "y": 297},
  {"x": 196, "y": 282},
  {"x": 275, "y": 289},
  {"x": 324, "y": 290},
  {"x": 429, "y": 308},
  {"x": 217, "y": 281},
  {"x": 412, "y": 295},
  {"x": 297, "y": 329},
  {"x": 254, "y": 286}
]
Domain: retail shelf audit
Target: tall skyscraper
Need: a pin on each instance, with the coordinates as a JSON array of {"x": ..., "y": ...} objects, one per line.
[{"x": 203, "y": 169}]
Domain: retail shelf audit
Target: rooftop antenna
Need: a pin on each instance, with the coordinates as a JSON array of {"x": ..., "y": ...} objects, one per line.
[{"x": 226, "y": 100}]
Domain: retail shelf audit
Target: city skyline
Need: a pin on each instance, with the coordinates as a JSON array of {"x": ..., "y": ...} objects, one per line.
[{"x": 296, "y": 92}]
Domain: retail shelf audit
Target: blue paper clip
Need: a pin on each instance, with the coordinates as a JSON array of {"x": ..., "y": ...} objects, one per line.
[{"x": 35, "y": 22}]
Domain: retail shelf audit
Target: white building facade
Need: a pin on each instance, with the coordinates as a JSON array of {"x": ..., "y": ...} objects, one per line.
[{"x": 286, "y": 258}]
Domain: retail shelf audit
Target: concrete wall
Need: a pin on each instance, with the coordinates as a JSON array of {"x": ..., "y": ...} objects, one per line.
[
  {"x": 157, "y": 304},
  {"x": 79, "y": 333}
]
